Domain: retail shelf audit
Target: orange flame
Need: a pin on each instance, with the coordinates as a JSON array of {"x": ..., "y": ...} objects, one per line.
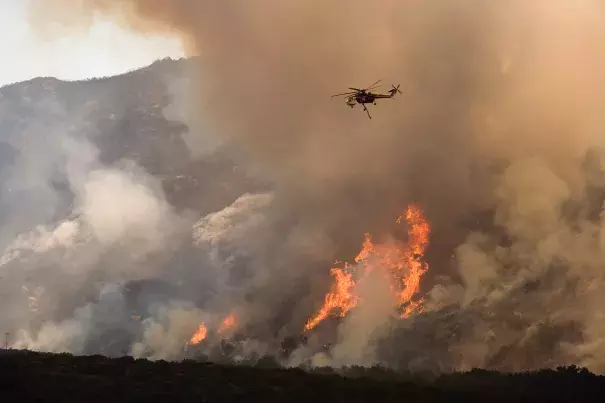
[
  {"x": 418, "y": 240},
  {"x": 199, "y": 335},
  {"x": 227, "y": 323},
  {"x": 401, "y": 262},
  {"x": 340, "y": 297}
]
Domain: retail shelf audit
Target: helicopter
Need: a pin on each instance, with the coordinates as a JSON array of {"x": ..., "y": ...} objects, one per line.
[{"x": 366, "y": 96}]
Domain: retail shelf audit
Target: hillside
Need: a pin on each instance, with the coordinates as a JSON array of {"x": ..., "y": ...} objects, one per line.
[
  {"x": 125, "y": 118},
  {"x": 52, "y": 378},
  {"x": 124, "y": 137}
]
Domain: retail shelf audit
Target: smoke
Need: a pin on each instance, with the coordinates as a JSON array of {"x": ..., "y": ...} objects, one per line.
[
  {"x": 184, "y": 109},
  {"x": 166, "y": 340},
  {"x": 360, "y": 330},
  {"x": 103, "y": 226},
  {"x": 501, "y": 104}
]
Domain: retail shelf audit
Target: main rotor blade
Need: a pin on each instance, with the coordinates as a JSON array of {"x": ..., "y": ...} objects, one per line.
[
  {"x": 372, "y": 86},
  {"x": 355, "y": 89},
  {"x": 344, "y": 93}
]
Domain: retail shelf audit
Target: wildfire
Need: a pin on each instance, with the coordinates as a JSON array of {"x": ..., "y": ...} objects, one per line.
[
  {"x": 227, "y": 323},
  {"x": 202, "y": 332},
  {"x": 341, "y": 297},
  {"x": 199, "y": 335},
  {"x": 401, "y": 262},
  {"x": 418, "y": 240}
]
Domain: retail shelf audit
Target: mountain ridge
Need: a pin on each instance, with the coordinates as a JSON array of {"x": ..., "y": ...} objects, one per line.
[{"x": 127, "y": 114}]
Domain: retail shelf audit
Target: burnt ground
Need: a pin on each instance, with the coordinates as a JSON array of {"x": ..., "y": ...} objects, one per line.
[{"x": 41, "y": 377}]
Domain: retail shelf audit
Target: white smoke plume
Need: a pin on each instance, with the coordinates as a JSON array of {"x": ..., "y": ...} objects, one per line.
[
  {"x": 117, "y": 223},
  {"x": 167, "y": 337},
  {"x": 359, "y": 332}
]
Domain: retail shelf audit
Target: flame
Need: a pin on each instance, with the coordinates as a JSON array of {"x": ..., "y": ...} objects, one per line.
[
  {"x": 202, "y": 332},
  {"x": 199, "y": 335},
  {"x": 418, "y": 240},
  {"x": 227, "y": 323},
  {"x": 340, "y": 297},
  {"x": 401, "y": 262}
]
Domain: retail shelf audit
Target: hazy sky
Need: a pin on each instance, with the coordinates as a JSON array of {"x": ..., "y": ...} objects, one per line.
[{"x": 105, "y": 50}]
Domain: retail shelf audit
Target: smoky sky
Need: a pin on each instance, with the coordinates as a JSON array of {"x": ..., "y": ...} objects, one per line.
[{"x": 480, "y": 81}]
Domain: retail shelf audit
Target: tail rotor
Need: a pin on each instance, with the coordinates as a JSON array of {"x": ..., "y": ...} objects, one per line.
[{"x": 395, "y": 90}]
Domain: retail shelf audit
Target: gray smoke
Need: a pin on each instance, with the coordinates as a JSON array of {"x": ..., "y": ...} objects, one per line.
[{"x": 107, "y": 225}]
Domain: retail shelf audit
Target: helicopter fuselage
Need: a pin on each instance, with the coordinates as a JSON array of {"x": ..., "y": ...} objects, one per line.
[{"x": 364, "y": 98}]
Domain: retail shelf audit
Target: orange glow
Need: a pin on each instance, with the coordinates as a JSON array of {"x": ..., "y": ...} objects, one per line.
[
  {"x": 227, "y": 323},
  {"x": 418, "y": 240},
  {"x": 199, "y": 335},
  {"x": 340, "y": 297},
  {"x": 401, "y": 262}
]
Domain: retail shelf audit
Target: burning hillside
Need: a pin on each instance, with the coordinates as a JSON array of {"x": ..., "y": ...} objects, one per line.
[
  {"x": 400, "y": 263},
  {"x": 495, "y": 146}
]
